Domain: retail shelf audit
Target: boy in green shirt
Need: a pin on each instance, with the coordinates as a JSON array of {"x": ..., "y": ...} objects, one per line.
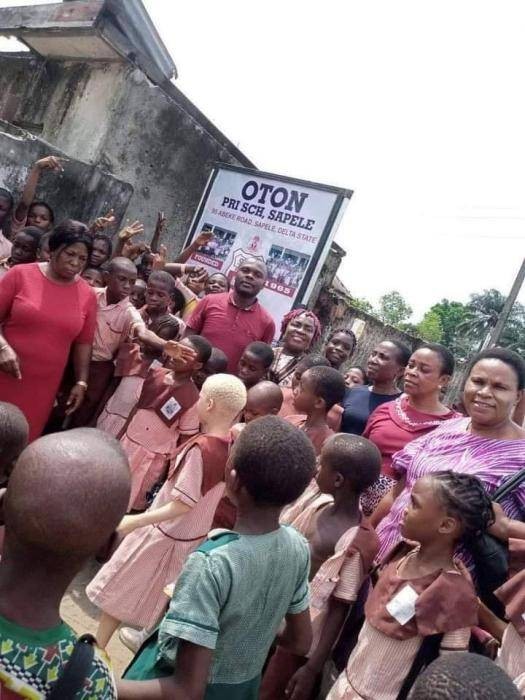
[
  {"x": 238, "y": 586},
  {"x": 65, "y": 497}
]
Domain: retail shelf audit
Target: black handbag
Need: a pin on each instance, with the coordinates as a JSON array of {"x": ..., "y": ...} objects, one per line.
[
  {"x": 75, "y": 671},
  {"x": 491, "y": 556}
]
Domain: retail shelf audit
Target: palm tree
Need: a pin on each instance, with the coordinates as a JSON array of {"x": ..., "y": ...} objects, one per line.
[{"x": 482, "y": 314}]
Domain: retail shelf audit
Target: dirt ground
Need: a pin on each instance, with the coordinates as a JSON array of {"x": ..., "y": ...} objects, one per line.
[{"x": 82, "y": 616}]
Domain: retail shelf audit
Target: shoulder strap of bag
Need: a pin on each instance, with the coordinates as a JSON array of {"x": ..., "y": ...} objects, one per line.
[
  {"x": 509, "y": 485},
  {"x": 75, "y": 671}
]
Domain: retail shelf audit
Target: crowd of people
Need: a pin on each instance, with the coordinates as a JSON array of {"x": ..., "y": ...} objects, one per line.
[{"x": 271, "y": 521}]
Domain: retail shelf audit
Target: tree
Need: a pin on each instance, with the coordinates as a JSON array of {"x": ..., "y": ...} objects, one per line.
[
  {"x": 430, "y": 327},
  {"x": 362, "y": 305},
  {"x": 451, "y": 315},
  {"x": 482, "y": 313},
  {"x": 393, "y": 309}
]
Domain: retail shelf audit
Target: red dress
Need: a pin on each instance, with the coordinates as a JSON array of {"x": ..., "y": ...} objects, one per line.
[{"x": 41, "y": 319}]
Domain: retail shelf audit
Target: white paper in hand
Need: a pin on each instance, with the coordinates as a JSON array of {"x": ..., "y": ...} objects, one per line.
[{"x": 402, "y": 607}]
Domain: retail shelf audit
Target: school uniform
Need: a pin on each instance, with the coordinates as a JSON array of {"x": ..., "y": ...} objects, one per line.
[
  {"x": 341, "y": 576},
  {"x": 130, "y": 586},
  {"x": 154, "y": 428},
  {"x": 399, "y": 614}
]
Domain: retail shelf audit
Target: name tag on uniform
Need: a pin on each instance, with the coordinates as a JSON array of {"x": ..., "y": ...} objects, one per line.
[
  {"x": 170, "y": 408},
  {"x": 402, "y": 607}
]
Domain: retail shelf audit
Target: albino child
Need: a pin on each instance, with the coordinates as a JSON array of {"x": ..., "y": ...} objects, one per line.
[{"x": 130, "y": 586}]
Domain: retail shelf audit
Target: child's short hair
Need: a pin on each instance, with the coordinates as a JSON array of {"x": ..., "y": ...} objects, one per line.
[
  {"x": 274, "y": 461},
  {"x": 14, "y": 434},
  {"x": 201, "y": 346},
  {"x": 107, "y": 240},
  {"x": 41, "y": 203},
  {"x": 164, "y": 278},
  {"x": 7, "y": 194},
  {"x": 262, "y": 351},
  {"x": 464, "y": 675},
  {"x": 167, "y": 327},
  {"x": 227, "y": 391},
  {"x": 464, "y": 497},
  {"x": 355, "y": 457},
  {"x": 312, "y": 360},
  {"x": 178, "y": 300},
  {"x": 218, "y": 361},
  {"x": 327, "y": 383},
  {"x": 66, "y": 495},
  {"x": 34, "y": 233}
]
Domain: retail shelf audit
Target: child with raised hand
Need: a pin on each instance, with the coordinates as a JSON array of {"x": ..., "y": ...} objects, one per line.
[
  {"x": 66, "y": 495},
  {"x": 118, "y": 322},
  {"x": 254, "y": 363},
  {"x": 343, "y": 546},
  {"x": 130, "y": 586},
  {"x": 423, "y": 598},
  {"x": 318, "y": 390},
  {"x": 31, "y": 212},
  {"x": 162, "y": 418},
  {"x": 229, "y": 600},
  {"x": 133, "y": 362}
]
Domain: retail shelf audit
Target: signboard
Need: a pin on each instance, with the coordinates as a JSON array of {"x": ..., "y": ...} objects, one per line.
[{"x": 287, "y": 223}]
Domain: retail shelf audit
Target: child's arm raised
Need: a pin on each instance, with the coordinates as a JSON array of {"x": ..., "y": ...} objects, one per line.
[
  {"x": 48, "y": 163},
  {"x": 203, "y": 238},
  {"x": 189, "y": 683}
]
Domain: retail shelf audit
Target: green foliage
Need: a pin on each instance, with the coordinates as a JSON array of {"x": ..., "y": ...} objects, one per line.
[
  {"x": 362, "y": 304},
  {"x": 393, "y": 309},
  {"x": 430, "y": 327},
  {"x": 451, "y": 315}
]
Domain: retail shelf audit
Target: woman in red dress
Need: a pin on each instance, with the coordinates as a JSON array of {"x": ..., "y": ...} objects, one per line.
[{"x": 47, "y": 310}]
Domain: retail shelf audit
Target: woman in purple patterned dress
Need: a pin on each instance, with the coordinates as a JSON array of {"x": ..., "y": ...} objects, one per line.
[{"x": 487, "y": 444}]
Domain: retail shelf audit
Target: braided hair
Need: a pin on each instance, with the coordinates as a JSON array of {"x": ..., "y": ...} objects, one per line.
[
  {"x": 464, "y": 497},
  {"x": 295, "y": 313}
]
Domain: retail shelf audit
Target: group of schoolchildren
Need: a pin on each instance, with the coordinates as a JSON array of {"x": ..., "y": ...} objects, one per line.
[{"x": 235, "y": 546}]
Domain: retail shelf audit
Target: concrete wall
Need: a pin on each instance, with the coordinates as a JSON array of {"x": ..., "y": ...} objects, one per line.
[
  {"x": 110, "y": 114},
  {"x": 335, "y": 312},
  {"x": 82, "y": 191}
]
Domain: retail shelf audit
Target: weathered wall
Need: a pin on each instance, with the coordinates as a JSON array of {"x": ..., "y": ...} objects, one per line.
[
  {"x": 109, "y": 114},
  {"x": 335, "y": 312},
  {"x": 81, "y": 192}
]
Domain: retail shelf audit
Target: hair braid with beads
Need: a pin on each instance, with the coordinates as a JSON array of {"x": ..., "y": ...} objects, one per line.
[{"x": 464, "y": 497}]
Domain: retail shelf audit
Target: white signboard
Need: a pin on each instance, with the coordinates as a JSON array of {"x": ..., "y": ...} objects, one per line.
[{"x": 287, "y": 223}]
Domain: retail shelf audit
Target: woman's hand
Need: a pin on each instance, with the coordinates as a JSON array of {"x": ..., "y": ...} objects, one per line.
[
  {"x": 9, "y": 362},
  {"x": 76, "y": 396}
]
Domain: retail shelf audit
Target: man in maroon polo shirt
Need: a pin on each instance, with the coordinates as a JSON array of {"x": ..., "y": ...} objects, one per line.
[{"x": 232, "y": 320}]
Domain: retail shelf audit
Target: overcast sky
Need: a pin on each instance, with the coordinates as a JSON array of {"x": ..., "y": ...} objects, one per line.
[{"x": 416, "y": 106}]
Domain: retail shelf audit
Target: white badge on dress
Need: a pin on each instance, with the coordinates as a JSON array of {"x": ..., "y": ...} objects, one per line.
[
  {"x": 155, "y": 364},
  {"x": 402, "y": 607},
  {"x": 170, "y": 408}
]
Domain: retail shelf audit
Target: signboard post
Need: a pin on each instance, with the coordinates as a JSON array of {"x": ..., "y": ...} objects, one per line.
[{"x": 287, "y": 223}]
